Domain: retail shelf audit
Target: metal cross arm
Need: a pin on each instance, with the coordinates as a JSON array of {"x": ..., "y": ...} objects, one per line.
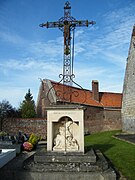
[
  {"x": 50, "y": 24},
  {"x": 79, "y": 23},
  {"x": 73, "y": 23}
]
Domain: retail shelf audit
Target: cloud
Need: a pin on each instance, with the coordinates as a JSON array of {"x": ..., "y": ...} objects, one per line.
[
  {"x": 28, "y": 65},
  {"x": 111, "y": 40},
  {"x": 22, "y": 75},
  {"x": 123, "y": 14},
  {"x": 79, "y": 33},
  {"x": 12, "y": 94},
  {"x": 51, "y": 48},
  {"x": 109, "y": 79},
  {"x": 83, "y": 73},
  {"x": 11, "y": 38}
]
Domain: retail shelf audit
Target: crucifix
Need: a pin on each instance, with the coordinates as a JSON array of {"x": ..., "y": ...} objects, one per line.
[{"x": 67, "y": 24}]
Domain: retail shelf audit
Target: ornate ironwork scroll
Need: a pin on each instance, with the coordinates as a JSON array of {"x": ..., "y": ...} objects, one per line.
[{"x": 67, "y": 94}]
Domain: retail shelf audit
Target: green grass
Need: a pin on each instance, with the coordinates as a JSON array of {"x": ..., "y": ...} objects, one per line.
[{"x": 120, "y": 153}]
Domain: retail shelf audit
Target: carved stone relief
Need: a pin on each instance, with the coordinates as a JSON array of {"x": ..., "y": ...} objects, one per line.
[{"x": 66, "y": 137}]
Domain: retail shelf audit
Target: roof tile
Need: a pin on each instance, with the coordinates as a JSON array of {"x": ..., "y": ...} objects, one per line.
[{"x": 84, "y": 96}]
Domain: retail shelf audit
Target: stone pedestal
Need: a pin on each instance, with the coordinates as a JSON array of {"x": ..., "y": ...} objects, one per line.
[
  {"x": 70, "y": 166},
  {"x": 65, "y": 129}
]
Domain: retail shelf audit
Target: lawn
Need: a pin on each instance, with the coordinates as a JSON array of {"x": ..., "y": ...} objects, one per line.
[{"x": 120, "y": 153}]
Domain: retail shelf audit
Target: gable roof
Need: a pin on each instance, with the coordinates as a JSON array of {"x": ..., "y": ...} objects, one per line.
[{"x": 84, "y": 96}]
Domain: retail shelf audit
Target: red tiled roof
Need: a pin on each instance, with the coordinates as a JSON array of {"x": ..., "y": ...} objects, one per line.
[
  {"x": 110, "y": 99},
  {"x": 83, "y": 96}
]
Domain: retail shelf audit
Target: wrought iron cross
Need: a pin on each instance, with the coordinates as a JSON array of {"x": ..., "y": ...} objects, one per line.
[{"x": 67, "y": 24}]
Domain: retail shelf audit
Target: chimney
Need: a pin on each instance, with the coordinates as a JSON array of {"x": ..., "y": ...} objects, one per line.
[{"x": 95, "y": 90}]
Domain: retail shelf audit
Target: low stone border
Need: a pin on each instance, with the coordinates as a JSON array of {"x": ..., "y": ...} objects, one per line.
[{"x": 123, "y": 139}]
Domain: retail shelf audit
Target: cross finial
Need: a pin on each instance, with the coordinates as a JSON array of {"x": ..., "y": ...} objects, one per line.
[{"x": 67, "y": 5}]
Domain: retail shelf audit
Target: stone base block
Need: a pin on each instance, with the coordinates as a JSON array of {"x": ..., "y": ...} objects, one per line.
[
  {"x": 108, "y": 175},
  {"x": 55, "y": 166},
  {"x": 89, "y": 166},
  {"x": 69, "y": 157},
  {"x": 6, "y": 155}
]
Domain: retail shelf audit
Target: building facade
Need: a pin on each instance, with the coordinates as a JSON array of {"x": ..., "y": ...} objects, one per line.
[{"x": 102, "y": 109}]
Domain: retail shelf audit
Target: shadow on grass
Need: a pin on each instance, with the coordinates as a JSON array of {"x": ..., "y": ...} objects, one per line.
[{"x": 102, "y": 147}]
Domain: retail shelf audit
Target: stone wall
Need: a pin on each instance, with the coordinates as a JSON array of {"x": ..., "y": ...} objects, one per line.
[
  {"x": 28, "y": 126},
  {"x": 98, "y": 119},
  {"x": 93, "y": 119},
  {"x": 128, "y": 104},
  {"x": 112, "y": 119}
]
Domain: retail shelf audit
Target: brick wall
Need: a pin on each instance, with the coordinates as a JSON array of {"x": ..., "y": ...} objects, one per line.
[
  {"x": 97, "y": 119},
  {"x": 112, "y": 120},
  {"x": 93, "y": 119},
  {"x": 28, "y": 126}
]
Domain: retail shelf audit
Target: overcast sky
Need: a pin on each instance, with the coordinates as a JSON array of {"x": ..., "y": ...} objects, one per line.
[{"x": 29, "y": 52}]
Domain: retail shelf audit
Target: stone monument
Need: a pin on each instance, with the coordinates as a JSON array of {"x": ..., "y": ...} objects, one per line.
[
  {"x": 65, "y": 126},
  {"x": 65, "y": 157},
  {"x": 65, "y": 129},
  {"x": 128, "y": 103}
]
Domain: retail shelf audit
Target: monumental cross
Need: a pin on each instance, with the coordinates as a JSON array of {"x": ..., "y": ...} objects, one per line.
[{"x": 67, "y": 24}]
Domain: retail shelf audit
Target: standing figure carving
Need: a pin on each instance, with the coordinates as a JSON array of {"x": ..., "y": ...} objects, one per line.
[{"x": 59, "y": 141}]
